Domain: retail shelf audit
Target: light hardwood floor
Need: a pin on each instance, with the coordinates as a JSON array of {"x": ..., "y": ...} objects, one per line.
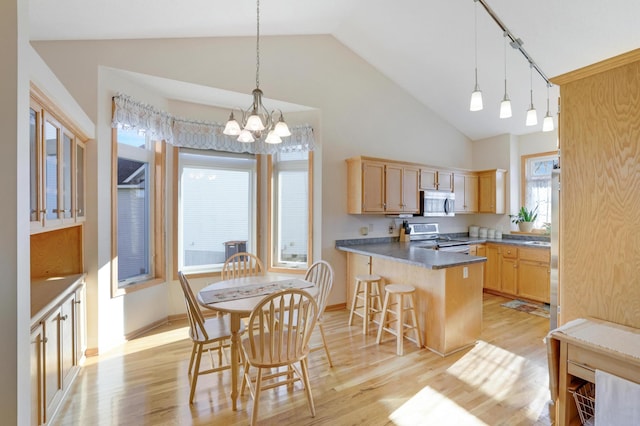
[{"x": 503, "y": 380}]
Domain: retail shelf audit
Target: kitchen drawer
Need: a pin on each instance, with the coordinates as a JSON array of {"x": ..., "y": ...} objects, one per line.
[
  {"x": 582, "y": 362},
  {"x": 535, "y": 254},
  {"x": 510, "y": 252}
]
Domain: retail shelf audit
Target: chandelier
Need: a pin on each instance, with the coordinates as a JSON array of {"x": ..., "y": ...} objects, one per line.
[{"x": 257, "y": 120}]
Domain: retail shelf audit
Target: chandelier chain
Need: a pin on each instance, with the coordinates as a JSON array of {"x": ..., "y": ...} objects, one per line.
[{"x": 258, "y": 44}]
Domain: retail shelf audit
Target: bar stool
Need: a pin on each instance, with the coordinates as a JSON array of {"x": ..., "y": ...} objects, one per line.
[
  {"x": 400, "y": 292},
  {"x": 367, "y": 289}
]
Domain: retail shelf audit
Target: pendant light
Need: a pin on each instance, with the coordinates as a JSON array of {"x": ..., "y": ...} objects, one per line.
[
  {"x": 476, "y": 96},
  {"x": 505, "y": 105},
  {"x": 257, "y": 120},
  {"x": 547, "y": 123},
  {"x": 532, "y": 116}
]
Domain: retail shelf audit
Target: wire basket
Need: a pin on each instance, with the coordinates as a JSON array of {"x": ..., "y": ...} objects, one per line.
[{"x": 585, "y": 397}]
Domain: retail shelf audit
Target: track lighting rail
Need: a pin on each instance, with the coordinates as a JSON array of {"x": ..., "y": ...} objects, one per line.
[{"x": 516, "y": 43}]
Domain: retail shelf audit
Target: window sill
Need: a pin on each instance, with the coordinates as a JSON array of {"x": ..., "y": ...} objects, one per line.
[{"x": 121, "y": 291}]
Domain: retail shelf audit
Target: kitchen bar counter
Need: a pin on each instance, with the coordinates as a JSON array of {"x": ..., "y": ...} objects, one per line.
[
  {"x": 411, "y": 253},
  {"x": 448, "y": 287}
]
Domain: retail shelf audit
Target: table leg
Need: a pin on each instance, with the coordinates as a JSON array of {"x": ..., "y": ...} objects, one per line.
[{"x": 235, "y": 355}]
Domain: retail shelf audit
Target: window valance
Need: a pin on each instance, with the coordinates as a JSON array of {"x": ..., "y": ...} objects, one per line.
[{"x": 200, "y": 134}]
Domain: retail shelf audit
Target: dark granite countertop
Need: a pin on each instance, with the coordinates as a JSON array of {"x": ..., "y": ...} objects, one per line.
[{"x": 414, "y": 253}]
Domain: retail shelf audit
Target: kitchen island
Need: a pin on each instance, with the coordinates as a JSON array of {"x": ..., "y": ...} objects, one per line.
[{"x": 448, "y": 287}]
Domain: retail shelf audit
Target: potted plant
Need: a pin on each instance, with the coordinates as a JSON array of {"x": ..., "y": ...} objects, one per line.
[{"x": 525, "y": 218}]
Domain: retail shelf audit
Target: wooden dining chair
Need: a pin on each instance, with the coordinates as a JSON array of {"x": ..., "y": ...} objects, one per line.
[
  {"x": 242, "y": 264},
  {"x": 210, "y": 334},
  {"x": 269, "y": 344},
  {"x": 321, "y": 274}
]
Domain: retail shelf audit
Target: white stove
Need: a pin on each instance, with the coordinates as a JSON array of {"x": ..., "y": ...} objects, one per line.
[{"x": 430, "y": 233}]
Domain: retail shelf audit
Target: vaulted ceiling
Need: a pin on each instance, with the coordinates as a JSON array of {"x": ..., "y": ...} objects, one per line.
[{"x": 425, "y": 46}]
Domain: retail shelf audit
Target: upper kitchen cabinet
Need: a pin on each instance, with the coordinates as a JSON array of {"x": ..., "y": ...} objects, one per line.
[
  {"x": 379, "y": 186},
  {"x": 466, "y": 191},
  {"x": 436, "y": 180},
  {"x": 57, "y": 167},
  {"x": 492, "y": 191}
]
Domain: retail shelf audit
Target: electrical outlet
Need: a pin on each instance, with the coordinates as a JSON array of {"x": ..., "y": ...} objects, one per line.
[
  {"x": 465, "y": 272},
  {"x": 371, "y": 227},
  {"x": 391, "y": 229},
  {"x": 364, "y": 230}
]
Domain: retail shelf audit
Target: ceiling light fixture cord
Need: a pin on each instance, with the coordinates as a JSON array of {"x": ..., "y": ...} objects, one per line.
[
  {"x": 257, "y": 120},
  {"x": 476, "y": 96},
  {"x": 257, "y": 44},
  {"x": 505, "y": 105}
]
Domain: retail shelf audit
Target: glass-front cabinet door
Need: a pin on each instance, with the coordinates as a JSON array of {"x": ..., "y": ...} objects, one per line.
[
  {"x": 79, "y": 207},
  {"x": 51, "y": 175},
  {"x": 66, "y": 183},
  {"x": 35, "y": 149},
  {"x": 57, "y": 172}
]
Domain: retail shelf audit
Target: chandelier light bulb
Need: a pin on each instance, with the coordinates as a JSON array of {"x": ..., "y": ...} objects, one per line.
[
  {"x": 547, "y": 123},
  {"x": 232, "y": 128},
  {"x": 281, "y": 128},
  {"x": 246, "y": 136},
  {"x": 254, "y": 123},
  {"x": 273, "y": 137}
]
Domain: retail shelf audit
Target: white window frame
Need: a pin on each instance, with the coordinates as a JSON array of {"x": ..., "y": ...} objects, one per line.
[
  {"x": 274, "y": 167},
  {"x": 153, "y": 155},
  {"x": 527, "y": 162},
  {"x": 220, "y": 161}
]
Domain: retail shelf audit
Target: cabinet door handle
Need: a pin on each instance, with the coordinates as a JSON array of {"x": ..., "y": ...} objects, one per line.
[
  {"x": 64, "y": 317},
  {"x": 45, "y": 340},
  {"x": 77, "y": 302}
]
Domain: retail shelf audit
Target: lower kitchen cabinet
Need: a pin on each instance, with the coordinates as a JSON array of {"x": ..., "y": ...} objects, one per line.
[
  {"x": 57, "y": 337},
  {"x": 517, "y": 271},
  {"x": 509, "y": 270},
  {"x": 534, "y": 274},
  {"x": 492, "y": 267}
]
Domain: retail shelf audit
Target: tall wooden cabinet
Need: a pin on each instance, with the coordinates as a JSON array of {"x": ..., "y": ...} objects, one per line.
[
  {"x": 492, "y": 191},
  {"x": 599, "y": 222}
]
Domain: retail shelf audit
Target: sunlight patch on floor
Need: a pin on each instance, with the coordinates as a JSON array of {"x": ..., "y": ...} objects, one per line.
[
  {"x": 430, "y": 407},
  {"x": 487, "y": 372},
  {"x": 490, "y": 369}
]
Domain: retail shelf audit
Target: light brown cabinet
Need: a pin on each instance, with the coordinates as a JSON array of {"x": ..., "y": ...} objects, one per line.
[
  {"x": 534, "y": 274},
  {"x": 492, "y": 191},
  {"x": 509, "y": 270},
  {"x": 56, "y": 171},
  {"x": 57, "y": 347},
  {"x": 518, "y": 271},
  {"x": 376, "y": 186},
  {"x": 466, "y": 192},
  {"x": 436, "y": 180},
  {"x": 492, "y": 279}
]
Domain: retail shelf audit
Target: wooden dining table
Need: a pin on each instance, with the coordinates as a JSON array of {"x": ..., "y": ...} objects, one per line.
[{"x": 238, "y": 297}]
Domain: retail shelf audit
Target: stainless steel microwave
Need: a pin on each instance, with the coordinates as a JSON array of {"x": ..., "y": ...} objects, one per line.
[{"x": 437, "y": 203}]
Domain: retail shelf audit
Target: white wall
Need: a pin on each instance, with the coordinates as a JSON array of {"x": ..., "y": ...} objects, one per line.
[{"x": 14, "y": 218}]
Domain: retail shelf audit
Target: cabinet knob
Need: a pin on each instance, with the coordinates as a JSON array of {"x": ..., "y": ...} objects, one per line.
[
  {"x": 45, "y": 340},
  {"x": 77, "y": 302},
  {"x": 64, "y": 317}
]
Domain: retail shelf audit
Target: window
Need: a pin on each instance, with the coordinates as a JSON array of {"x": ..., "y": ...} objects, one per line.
[
  {"x": 138, "y": 204},
  {"x": 216, "y": 209},
  {"x": 536, "y": 178},
  {"x": 290, "y": 212}
]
